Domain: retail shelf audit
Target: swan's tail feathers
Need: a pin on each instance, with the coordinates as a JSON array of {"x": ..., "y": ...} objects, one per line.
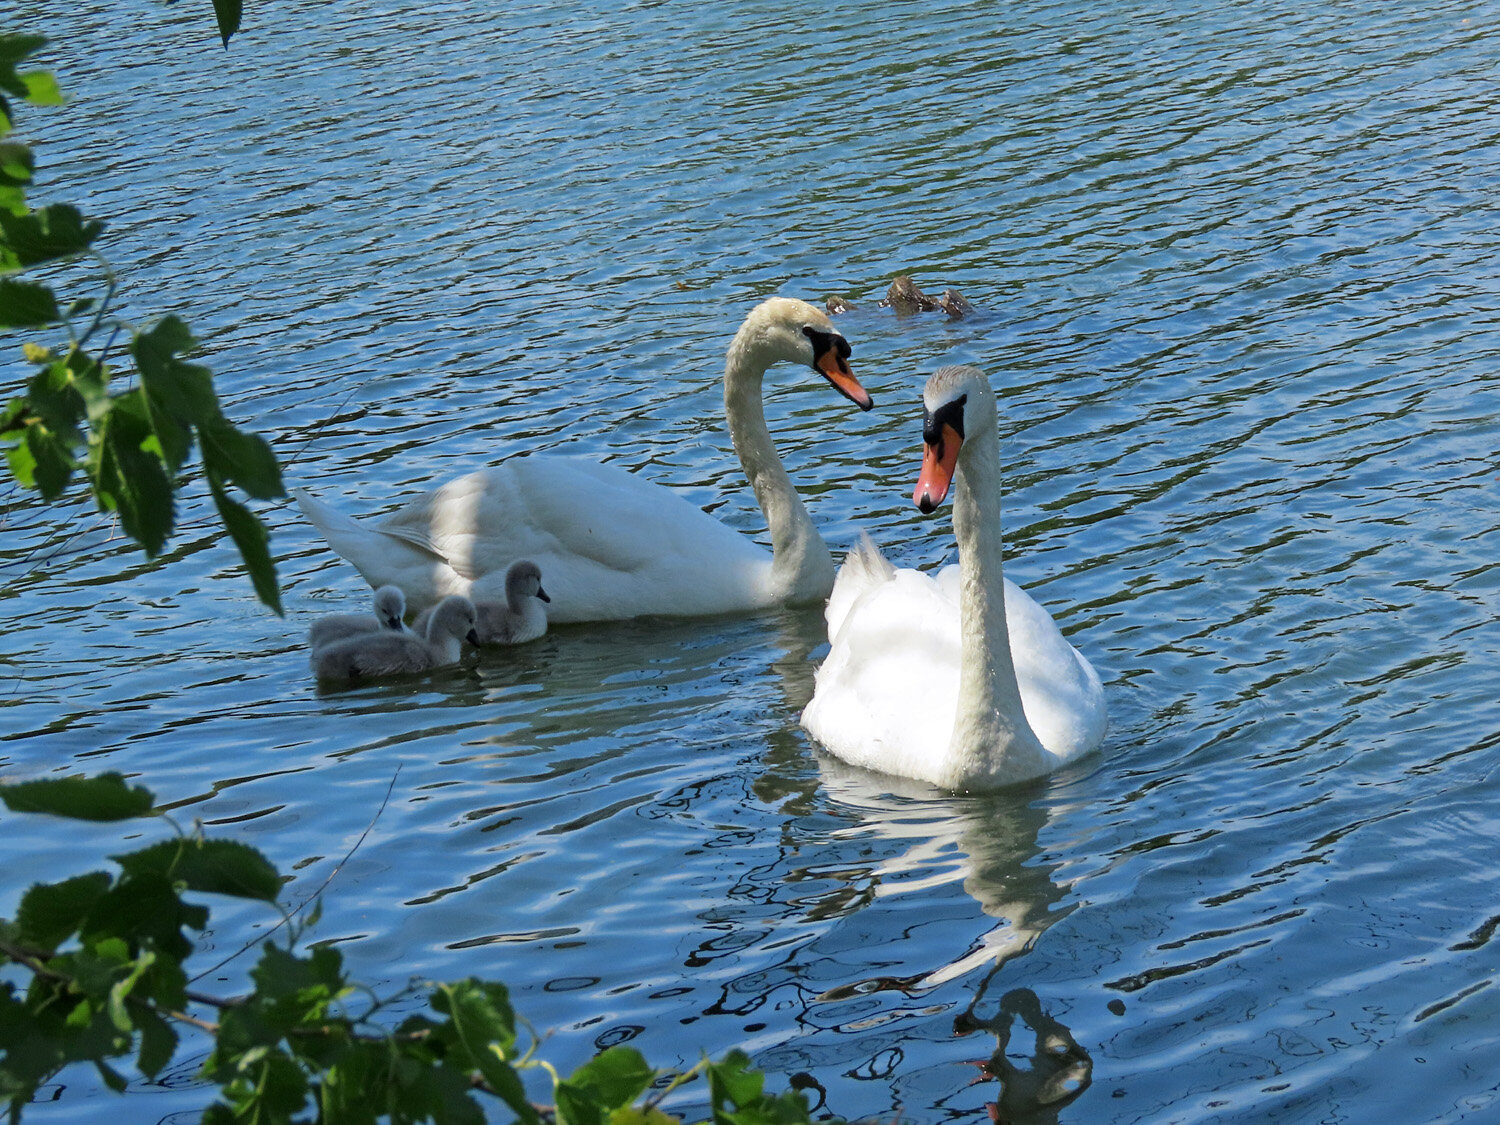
[
  {"x": 880, "y": 568},
  {"x": 383, "y": 559},
  {"x": 344, "y": 533},
  {"x": 864, "y": 568}
]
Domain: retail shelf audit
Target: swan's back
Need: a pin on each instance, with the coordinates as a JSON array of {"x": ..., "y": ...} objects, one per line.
[{"x": 610, "y": 543}]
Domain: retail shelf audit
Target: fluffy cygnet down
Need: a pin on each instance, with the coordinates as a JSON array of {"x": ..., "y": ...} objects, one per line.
[
  {"x": 518, "y": 619},
  {"x": 390, "y": 608},
  {"x": 388, "y": 653}
]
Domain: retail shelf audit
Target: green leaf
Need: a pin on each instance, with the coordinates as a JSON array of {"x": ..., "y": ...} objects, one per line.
[
  {"x": 228, "y": 13},
  {"x": 112, "y": 1077},
  {"x": 42, "y": 460},
  {"x": 613, "y": 1078},
  {"x": 253, "y": 540},
  {"x": 90, "y": 379},
  {"x": 26, "y": 304},
  {"x": 42, "y": 88},
  {"x": 16, "y": 170},
  {"x": 178, "y": 396},
  {"x": 484, "y": 1030},
  {"x": 105, "y": 797},
  {"x": 642, "y": 1115},
  {"x": 182, "y": 391},
  {"x": 158, "y": 1044},
  {"x": 575, "y": 1106},
  {"x": 224, "y": 867},
  {"x": 303, "y": 987},
  {"x": 145, "y": 911},
  {"x": 242, "y": 459},
  {"x": 52, "y": 912},
  {"x": 280, "y": 1088},
  {"x": 45, "y": 235},
  {"x": 159, "y": 345},
  {"x": 55, "y": 399},
  {"x": 733, "y": 1080},
  {"x": 129, "y": 477},
  {"x": 14, "y": 49},
  {"x": 120, "y": 991}
]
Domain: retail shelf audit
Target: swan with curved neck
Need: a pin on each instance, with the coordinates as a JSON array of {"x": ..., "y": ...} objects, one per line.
[
  {"x": 611, "y": 544},
  {"x": 959, "y": 679}
]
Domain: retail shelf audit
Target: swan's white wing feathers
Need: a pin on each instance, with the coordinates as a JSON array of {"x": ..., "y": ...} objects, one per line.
[
  {"x": 887, "y": 693},
  {"x": 1060, "y": 691},
  {"x": 609, "y": 544}
]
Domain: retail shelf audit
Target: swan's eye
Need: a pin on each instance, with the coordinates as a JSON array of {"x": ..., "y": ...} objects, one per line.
[
  {"x": 950, "y": 414},
  {"x": 823, "y": 342}
]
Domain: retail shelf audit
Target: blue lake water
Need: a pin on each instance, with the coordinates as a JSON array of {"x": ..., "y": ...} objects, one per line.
[{"x": 1236, "y": 273}]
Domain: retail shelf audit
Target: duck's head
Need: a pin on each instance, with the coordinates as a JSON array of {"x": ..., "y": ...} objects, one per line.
[
  {"x": 957, "y": 400},
  {"x": 786, "y": 330}
]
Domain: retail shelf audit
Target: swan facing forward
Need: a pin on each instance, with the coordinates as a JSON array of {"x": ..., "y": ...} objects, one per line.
[
  {"x": 390, "y": 608},
  {"x": 958, "y": 679},
  {"x": 516, "y": 620},
  {"x": 386, "y": 652},
  {"x": 611, "y": 544}
]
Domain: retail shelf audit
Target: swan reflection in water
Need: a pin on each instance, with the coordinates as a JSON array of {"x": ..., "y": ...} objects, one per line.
[{"x": 990, "y": 843}]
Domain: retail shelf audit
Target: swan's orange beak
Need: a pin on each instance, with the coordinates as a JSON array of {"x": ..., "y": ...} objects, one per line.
[
  {"x": 833, "y": 367},
  {"x": 939, "y": 459}
]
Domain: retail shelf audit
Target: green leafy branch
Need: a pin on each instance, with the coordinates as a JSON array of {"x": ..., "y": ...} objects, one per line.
[
  {"x": 105, "y": 955},
  {"x": 131, "y": 445}
]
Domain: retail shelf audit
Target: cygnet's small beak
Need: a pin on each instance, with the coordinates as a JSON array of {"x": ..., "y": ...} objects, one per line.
[
  {"x": 541, "y": 593},
  {"x": 472, "y": 636}
]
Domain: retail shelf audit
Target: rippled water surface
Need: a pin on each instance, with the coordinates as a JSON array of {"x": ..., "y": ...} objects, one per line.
[{"x": 1235, "y": 268}]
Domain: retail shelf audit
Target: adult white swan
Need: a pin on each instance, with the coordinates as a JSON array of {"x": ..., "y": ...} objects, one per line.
[
  {"x": 959, "y": 679},
  {"x": 611, "y": 544}
]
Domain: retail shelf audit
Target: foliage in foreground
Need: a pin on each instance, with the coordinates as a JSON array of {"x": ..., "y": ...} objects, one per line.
[
  {"x": 104, "y": 952},
  {"x": 131, "y": 445}
]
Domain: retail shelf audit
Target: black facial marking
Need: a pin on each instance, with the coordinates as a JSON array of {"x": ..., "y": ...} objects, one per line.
[
  {"x": 950, "y": 414},
  {"x": 822, "y": 341}
]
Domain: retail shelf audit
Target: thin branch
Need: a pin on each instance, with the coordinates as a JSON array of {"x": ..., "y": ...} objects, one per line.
[{"x": 322, "y": 887}]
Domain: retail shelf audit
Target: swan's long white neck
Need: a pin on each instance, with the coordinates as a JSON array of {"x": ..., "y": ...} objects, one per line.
[
  {"x": 992, "y": 741},
  {"x": 802, "y": 569}
]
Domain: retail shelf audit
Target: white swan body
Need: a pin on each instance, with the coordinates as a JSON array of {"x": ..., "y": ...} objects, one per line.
[
  {"x": 390, "y": 608},
  {"x": 386, "y": 652},
  {"x": 960, "y": 679},
  {"x": 611, "y": 544},
  {"x": 516, "y": 620}
]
